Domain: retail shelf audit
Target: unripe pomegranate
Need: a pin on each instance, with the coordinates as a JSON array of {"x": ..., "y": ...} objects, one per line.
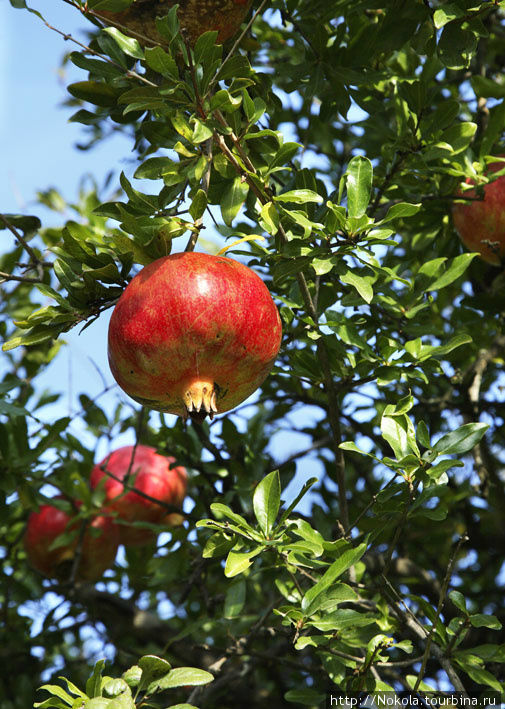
[
  {"x": 193, "y": 334},
  {"x": 97, "y": 551},
  {"x": 195, "y": 18},
  {"x": 151, "y": 474},
  {"x": 481, "y": 223}
]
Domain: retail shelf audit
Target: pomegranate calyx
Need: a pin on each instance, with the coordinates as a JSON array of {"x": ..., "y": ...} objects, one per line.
[{"x": 200, "y": 399}]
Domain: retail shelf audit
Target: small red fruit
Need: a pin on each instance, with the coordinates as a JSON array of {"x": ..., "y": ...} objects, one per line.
[
  {"x": 193, "y": 334},
  {"x": 151, "y": 474},
  {"x": 195, "y": 18},
  {"x": 481, "y": 223},
  {"x": 97, "y": 552}
]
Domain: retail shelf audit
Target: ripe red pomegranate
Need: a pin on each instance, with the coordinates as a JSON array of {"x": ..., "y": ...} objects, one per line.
[
  {"x": 195, "y": 18},
  {"x": 97, "y": 553},
  {"x": 152, "y": 474},
  {"x": 481, "y": 223},
  {"x": 193, "y": 334}
]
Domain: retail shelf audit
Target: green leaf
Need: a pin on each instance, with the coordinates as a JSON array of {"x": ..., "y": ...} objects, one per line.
[
  {"x": 94, "y": 683},
  {"x": 457, "y": 266},
  {"x": 323, "y": 266},
  {"x": 99, "y": 94},
  {"x": 201, "y": 132},
  {"x": 435, "y": 471},
  {"x": 128, "y": 45},
  {"x": 28, "y": 225},
  {"x": 481, "y": 620},
  {"x": 400, "y": 211},
  {"x": 99, "y": 703},
  {"x": 445, "y": 14},
  {"x": 132, "y": 676},
  {"x": 205, "y": 50},
  {"x": 217, "y": 545},
  {"x": 459, "y": 136},
  {"x": 327, "y": 601},
  {"x": 221, "y": 510},
  {"x": 342, "y": 619},
  {"x": 153, "y": 668},
  {"x": 115, "y": 687},
  {"x": 359, "y": 176},
  {"x": 224, "y": 101},
  {"x": 238, "y": 562},
  {"x": 299, "y": 197},
  {"x": 361, "y": 283},
  {"x": 459, "y": 601},
  {"x": 51, "y": 703},
  {"x": 309, "y": 697},
  {"x": 59, "y": 692},
  {"x": 286, "y": 152},
  {"x": 462, "y": 440},
  {"x": 423, "y": 435},
  {"x": 72, "y": 687},
  {"x": 235, "y": 599},
  {"x": 198, "y": 204},
  {"x": 233, "y": 199},
  {"x": 347, "y": 559},
  {"x": 161, "y": 62},
  {"x": 8, "y": 409},
  {"x": 456, "y": 46},
  {"x": 477, "y": 673},
  {"x": 397, "y": 431},
  {"x": 181, "y": 125},
  {"x": 487, "y": 88},
  {"x": 270, "y": 218},
  {"x": 182, "y": 676},
  {"x": 266, "y": 502},
  {"x": 428, "y": 351}
]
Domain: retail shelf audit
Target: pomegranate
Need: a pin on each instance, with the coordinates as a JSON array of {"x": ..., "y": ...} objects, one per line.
[
  {"x": 481, "y": 223},
  {"x": 151, "y": 474},
  {"x": 97, "y": 552},
  {"x": 193, "y": 334},
  {"x": 195, "y": 18}
]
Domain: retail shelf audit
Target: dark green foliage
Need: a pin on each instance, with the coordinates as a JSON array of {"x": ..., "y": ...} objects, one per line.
[{"x": 331, "y": 143}]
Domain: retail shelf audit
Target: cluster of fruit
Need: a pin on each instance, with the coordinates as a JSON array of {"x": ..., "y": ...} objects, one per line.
[
  {"x": 193, "y": 335},
  {"x": 139, "y": 484}
]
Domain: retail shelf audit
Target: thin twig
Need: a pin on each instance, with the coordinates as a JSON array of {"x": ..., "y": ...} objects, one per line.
[
  {"x": 4, "y": 277},
  {"x": 36, "y": 262},
  {"x": 68, "y": 37},
  {"x": 237, "y": 43},
  {"x": 441, "y": 600},
  {"x": 399, "y": 529},
  {"x": 205, "y": 183},
  {"x": 410, "y": 621}
]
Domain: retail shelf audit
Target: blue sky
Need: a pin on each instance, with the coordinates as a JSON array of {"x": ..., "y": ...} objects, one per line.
[{"x": 38, "y": 141}]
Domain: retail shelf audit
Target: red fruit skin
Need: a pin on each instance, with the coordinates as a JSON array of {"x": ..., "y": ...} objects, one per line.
[
  {"x": 152, "y": 474},
  {"x": 195, "y": 18},
  {"x": 481, "y": 224},
  {"x": 193, "y": 322},
  {"x": 97, "y": 552}
]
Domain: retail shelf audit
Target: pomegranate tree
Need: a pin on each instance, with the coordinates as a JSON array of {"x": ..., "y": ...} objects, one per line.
[
  {"x": 152, "y": 475},
  {"x": 97, "y": 548},
  {"x": 481, "y": 222},
  {"x": 195, "y": 18},
  {"x": 193, "y": 334}
]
